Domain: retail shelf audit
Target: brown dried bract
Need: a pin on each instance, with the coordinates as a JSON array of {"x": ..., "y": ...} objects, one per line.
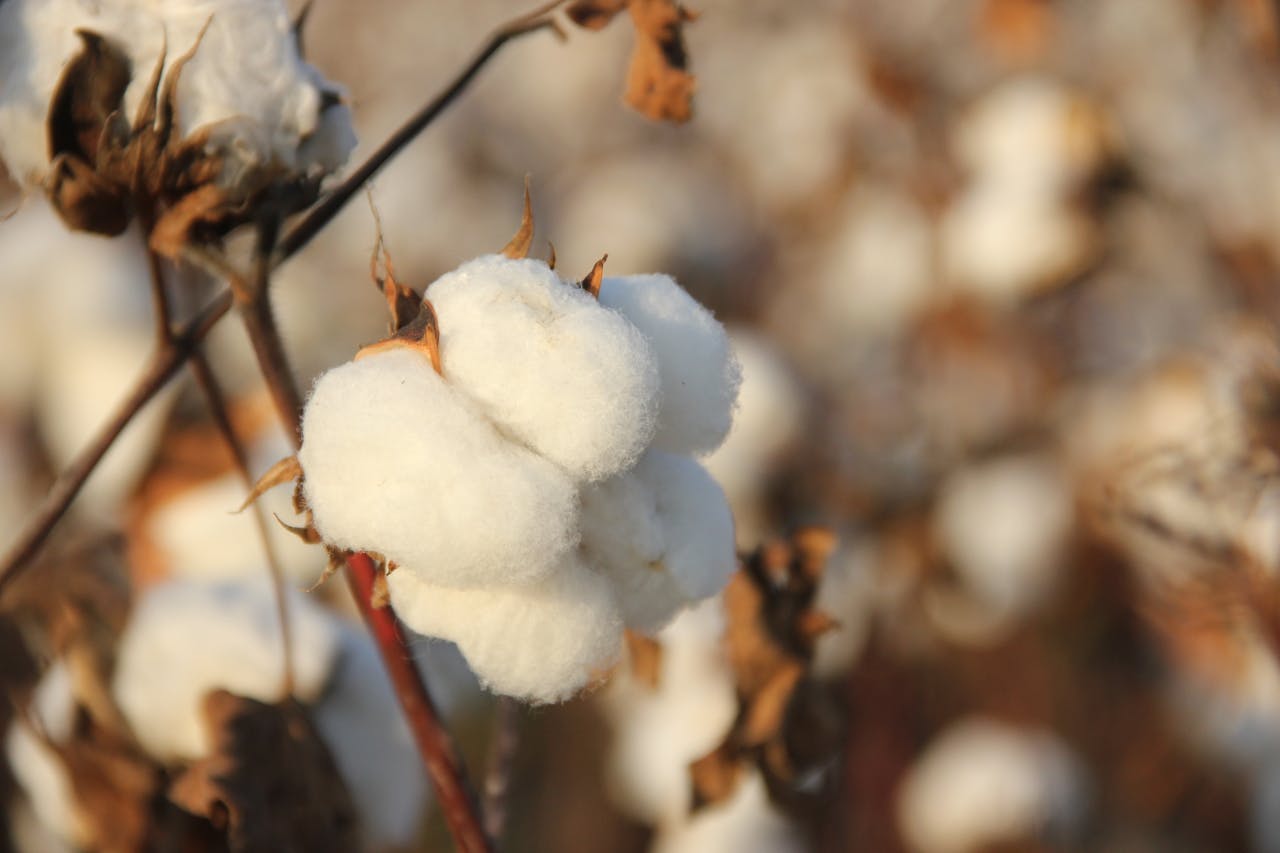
[
  {"x": 659, "y": 84},
  {"x": 269, "y": 782},
  {"x": 423, "y": 334},
  {"x": 518, "y": 246},
  {"x": 770, "y": 635}
]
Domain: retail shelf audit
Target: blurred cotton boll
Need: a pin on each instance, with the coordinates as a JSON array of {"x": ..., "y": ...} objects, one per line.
[
  {"x": 186, "y": 638},
  {"x": 658, "y": 731},
  {"x": 982, "y": 782},
  {"x": 766, "y": 424},
  {"x": 747, "y": 823}
]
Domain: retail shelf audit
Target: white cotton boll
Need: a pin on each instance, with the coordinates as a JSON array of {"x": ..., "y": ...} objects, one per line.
[
  {"x": 1004, "y": 242},
  {"x": 766, "y": 424},
  {"x": 396, "y": 461},
  {"x": 361, "y": 722},
  {"x": 982, "y": 782},
  {"x": 37, "y": 768},
  {"x": 186, "y": 638},
  {"x": 552, "y": 369},
  {"x": 658, "y": 732},
  {"x": 246, "y": 80},
  {"x": 700, "y": 376},
  {"x": 541, "y": 642},
  {"x": 1003, "y": 524},
  {"x": 201, "y": 533},
  {"x": 662, "y": 534},
  {"x": 747, "y": 823}
]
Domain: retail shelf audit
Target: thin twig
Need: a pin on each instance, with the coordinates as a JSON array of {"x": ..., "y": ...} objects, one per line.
[
  {"x": 502, "y": 754},
  {"x": 217, "y": 402}
]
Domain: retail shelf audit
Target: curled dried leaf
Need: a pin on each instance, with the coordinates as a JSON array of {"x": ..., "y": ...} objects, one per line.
[{"x": 658, "y": 82}]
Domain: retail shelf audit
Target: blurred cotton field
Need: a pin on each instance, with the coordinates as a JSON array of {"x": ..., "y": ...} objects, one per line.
[{"x": 968, "y": 312}]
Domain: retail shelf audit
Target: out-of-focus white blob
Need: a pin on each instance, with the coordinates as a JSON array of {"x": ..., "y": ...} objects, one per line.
[
  {"x": 747, "y": 823},
  {"x": 1003, "y": 525},
  {"x": 187, "y": 637},
  {"x": 658, "y": 732},
  {"x": 81, "y": 335},
  {"x": 541, "y": 642},
  {"x": 982, "y": 782},
  {"x": 550, "y": 367},
  {"x": 874, "y": 273},
  {"x": 789, "y": 115},
  {"x": 770, "y": 413},
  {"x": 700, "y": 376},
  {"x": 397, "y": 461},
  {"x": 849, "y": 594},
  {"x": 29, "y": 834},
  {"x": 37, "y": 768},
  {"x": 361, "y": 722},
  {"x": 280, "y": 121}
]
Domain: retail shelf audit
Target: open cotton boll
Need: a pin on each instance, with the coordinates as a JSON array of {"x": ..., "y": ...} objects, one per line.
[
  {"x": 576, "y": 383},
  {"x": 662, "y": 534},
  {"x": 270, "y": 108},
  {"x": 37, "y": 768},
  {"x": 700, "y": 376},
  {"x": 186, "y": 638},
  {"x": 541, "y": 642},
  {"x": 982, "y": 783},
  {"x": 360, "y": 721},
  {"x": 396, "y": 461}
]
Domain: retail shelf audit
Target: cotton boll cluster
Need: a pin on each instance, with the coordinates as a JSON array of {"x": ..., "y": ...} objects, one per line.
[
  {"x": 283, "y": 121},
  {"x": 983, "y": 783},
  {"x": 532, "y": 496},
  {"x": 186, "y": 638}
]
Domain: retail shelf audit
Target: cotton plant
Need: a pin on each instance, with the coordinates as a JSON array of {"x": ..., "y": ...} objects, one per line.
[
  {"x": 521, "y": 457},
  {"x": 119, "y": 108}
]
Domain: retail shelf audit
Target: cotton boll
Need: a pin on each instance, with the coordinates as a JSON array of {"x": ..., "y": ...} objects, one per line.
[
  {"x": 982, "y": 783},
  {"x": 541, "y": 642},
  {"x": 663, "y": 536},
  {"x": 37, "y": 768},
  {"x": 747, "y": 823},
  {"x": 398, "y": 462},
  {"x": 700, "y": 376},
  {"x": 361, "y": 722},
  {"x": 1004, "y": 524},
  {"x": 658, "y": 732},
  {"x": 186, "y": 638},
  {"x": 576, "y": 383}
]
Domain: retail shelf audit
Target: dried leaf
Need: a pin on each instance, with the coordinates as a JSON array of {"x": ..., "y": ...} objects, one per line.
[
  {"x": 285, "y": 471},
  {"x": 519, "y": 245},
  {"x": 594, "y": 14},
  {"x": 112, "y": 786},
  {"x": 658, "y": 84},
  {"x": 89, "y": 91},
  {"x": 269, "y": 781},
  {"x": 715, "y": 777}
]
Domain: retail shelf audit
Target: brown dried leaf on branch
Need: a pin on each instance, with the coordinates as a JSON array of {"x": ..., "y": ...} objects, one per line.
[
  {"x": 659, "y": 84},
  {"x": 270, "y": 782},
  {"x": 773, "y": 626}
]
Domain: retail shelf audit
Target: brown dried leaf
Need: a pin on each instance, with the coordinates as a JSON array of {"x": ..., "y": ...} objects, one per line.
[
  {"x": 658, "y": 84},
  {"x": 594, "y": 14},
  {"x": 518, "y": 246},
  {"x": 89, "y": 91},
  {"x": 285, "y": 471},
  {"x": 270, "y": 781},
  {"x": 112, "y": 786},
  {"x": 85, "y": 200},
  {"x": 715, "y": 776}
]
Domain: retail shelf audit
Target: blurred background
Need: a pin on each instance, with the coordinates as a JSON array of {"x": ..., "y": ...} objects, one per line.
[{"x": 1003, "y": 278}]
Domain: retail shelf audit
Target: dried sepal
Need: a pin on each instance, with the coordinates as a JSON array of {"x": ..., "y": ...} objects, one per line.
[
  {"x": 403, "y": 302},
  {"x": 645, "y": 654},
  {"x": 518, "y": 246},
  {"x": 551, "y": 254},
  {"x": 307, "y": 533},
  {"x": 337, "y": 559},
  {"x": 593, "y": 280},
  {"x": 270, "y": 782},
  {"x": 287, "y": 470},
  {"x": 423, "y": 334}
]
